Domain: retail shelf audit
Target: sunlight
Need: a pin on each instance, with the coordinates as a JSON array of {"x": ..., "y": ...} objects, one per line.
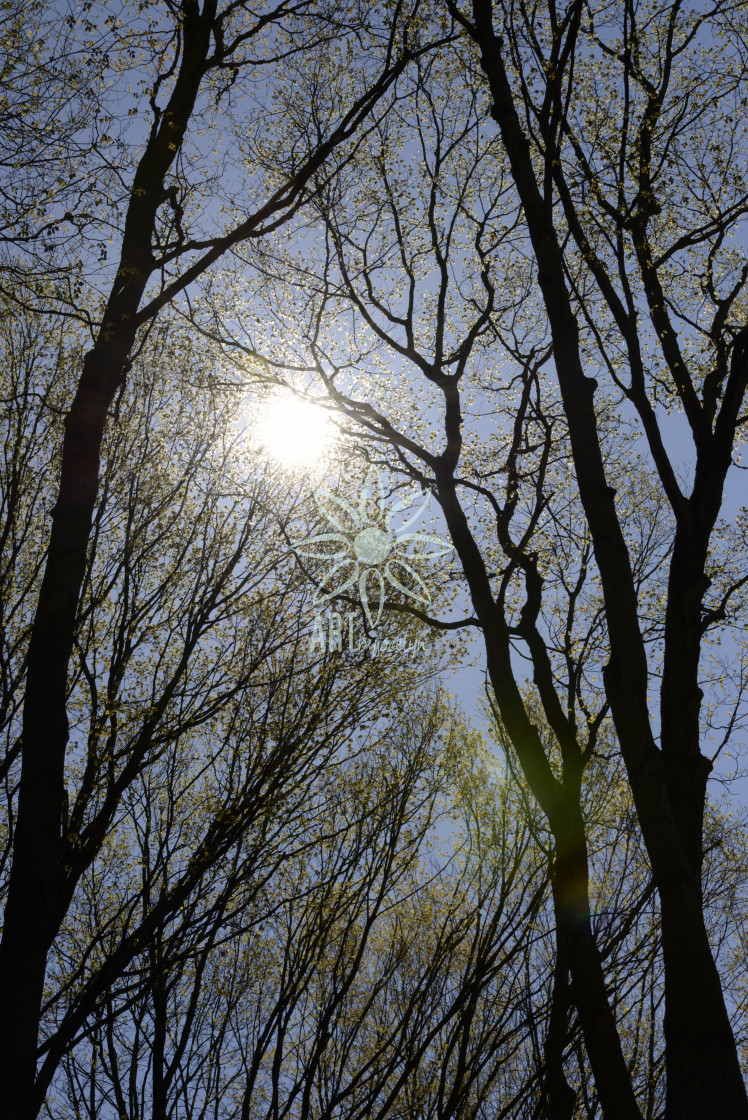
[{"x": 294, "y": 433}]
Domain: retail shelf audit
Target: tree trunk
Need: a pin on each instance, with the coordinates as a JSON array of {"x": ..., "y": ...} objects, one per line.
[
  {"x": 560, "y": 1098},
  {"x": 703, "y": 1074},
  {"x": 160, "y": 1016},
  {"x": 576, "y": 944},
  {"x": 32, "y": 909}
]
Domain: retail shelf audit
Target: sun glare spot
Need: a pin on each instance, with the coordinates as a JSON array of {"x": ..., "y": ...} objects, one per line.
[{"x": 294, "y": 433}]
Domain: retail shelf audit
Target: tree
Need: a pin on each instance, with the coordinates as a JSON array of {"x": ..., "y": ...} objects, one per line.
[
  {"x": 366, "y": 976},
  {"x": 197, "y": 67},
  {"x": 468, "y": 263},
  {"x": 668, "y": 781},
  {"x": 201, "y": 722}
]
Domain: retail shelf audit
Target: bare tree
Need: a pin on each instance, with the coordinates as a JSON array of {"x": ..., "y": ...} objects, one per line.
[
  {"x": 196, "y": 68},
  {"x": 201, "y": 721},
  {"x": 365, "y": 977},
  {"x": 465, "y": 262}
]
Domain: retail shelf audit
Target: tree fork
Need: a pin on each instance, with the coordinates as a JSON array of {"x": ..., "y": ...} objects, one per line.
[{"x": 698, "y": 1038}]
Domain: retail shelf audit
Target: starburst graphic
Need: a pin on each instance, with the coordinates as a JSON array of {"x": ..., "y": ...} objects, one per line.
[{"x": 367, "y": 552}]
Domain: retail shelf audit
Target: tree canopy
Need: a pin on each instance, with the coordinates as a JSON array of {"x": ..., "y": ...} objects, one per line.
[{"x": 502, "y": 249}]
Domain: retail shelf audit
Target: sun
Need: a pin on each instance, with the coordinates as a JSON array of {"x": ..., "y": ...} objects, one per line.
[{"x": 295, "y": 433}]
